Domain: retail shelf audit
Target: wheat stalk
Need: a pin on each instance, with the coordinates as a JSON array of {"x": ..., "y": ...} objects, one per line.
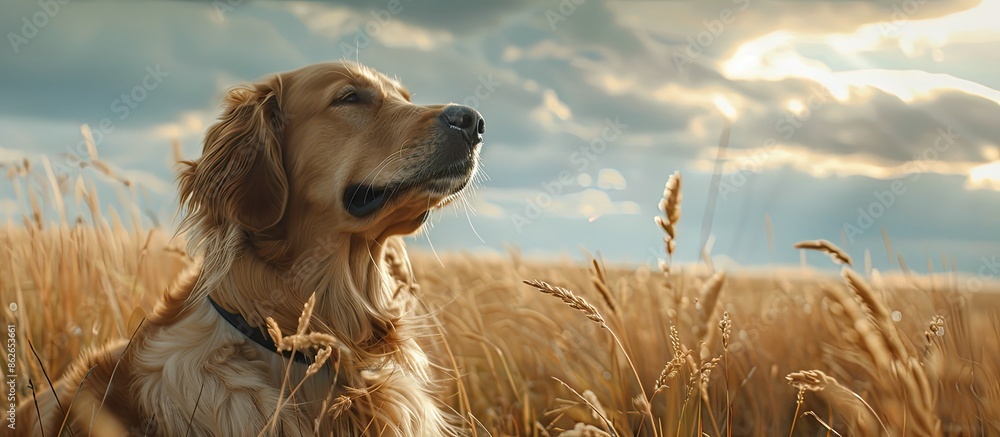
[
  {"x": 871, "y": 320},
  {"x": 836, "y": 253},
  {"x": 708, "y": 297},
  {"x": 599, "y": 278},
  {"x": 934, "y": 329},
  {"x": 325, "y": 344},
  {"x": 574, "y": 301},
  {"x": 831, "y": 390},
  {"x": 581, "y": 304},
  {"x": 670, "y": 204},
  {"x": 674, "y": 365},
  {"x": 725, "y": 327}
]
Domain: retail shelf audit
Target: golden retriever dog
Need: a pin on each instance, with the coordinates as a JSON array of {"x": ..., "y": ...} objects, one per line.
[{"x": 304, "y": 188}]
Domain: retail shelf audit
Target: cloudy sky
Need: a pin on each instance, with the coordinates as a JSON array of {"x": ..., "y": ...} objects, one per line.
[{"x": 846, "y": 117}]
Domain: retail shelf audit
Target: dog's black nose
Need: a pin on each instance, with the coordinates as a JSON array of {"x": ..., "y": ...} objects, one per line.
[{"x": 466, "y": 120}]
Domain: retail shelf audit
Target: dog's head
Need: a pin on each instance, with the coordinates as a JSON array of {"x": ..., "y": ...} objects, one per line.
[{"x": 330, "y": 148}]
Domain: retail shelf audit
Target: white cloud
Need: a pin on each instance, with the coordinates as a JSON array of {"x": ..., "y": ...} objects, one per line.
[
  {"x": 547, "y": 49},
  {"x": 610, "y": 179},
  {"x": 973, "y": 25},
  {"x": 382, "y": 26},
  {"x": 551, "y": 105},
  {"x": 588, "y": 204},
  {"x": 192, "y": 123},
  {"x": 616, "y": 85},
  {"x": 821, "y": 164},
  {"x": 591, "y": 204},
  {"x": 403, "y": 35},
  {"x": 985, "y": 176},
  {"x": 483, "y": 208},
  {"x": 512, "y": 53}
]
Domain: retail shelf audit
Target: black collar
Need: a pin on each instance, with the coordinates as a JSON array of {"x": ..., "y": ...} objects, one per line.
[{"x": 258, "y": 335}]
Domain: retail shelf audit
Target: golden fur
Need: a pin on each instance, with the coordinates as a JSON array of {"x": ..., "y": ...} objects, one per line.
[{"x": 267, "y": 215}]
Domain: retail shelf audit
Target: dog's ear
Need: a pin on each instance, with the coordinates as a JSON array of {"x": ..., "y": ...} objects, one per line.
[{"x": 240, "y": 176}]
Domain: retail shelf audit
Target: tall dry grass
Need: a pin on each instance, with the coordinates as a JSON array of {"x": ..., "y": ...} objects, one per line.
[{"x": 585, "y": 350}]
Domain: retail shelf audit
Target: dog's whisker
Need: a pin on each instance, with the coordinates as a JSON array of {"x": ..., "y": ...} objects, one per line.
[
  {"x": 431, "y": 243},
  {"x": 374, "y": 173},
  {"x": 392, "y": 158},
  {"x": 388, "y": 160},
  {"x": 465, "y": 203}
]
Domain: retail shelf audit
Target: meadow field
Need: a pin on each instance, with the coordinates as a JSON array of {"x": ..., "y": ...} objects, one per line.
[{"x": 590, "y": 349}]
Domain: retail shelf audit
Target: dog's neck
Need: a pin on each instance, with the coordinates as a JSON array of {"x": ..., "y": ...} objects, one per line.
[{"x": 355, "y": 295}]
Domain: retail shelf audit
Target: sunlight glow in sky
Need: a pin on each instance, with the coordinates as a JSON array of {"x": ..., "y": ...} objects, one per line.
[{"x": 777, "y": 56}]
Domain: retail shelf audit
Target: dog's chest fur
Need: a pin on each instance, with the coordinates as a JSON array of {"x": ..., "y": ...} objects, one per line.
[{"x": 236, "y": 384}]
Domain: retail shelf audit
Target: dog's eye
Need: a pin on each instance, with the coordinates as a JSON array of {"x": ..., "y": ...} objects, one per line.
[{"x": 351, "y": 97}]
